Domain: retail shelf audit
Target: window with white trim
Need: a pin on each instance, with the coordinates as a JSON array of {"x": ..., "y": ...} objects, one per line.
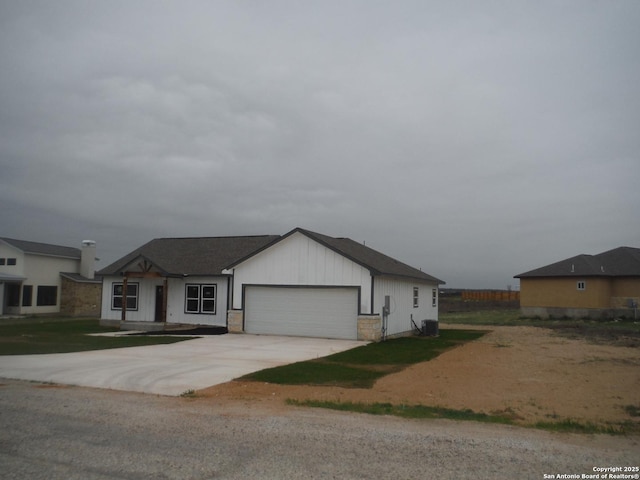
[
  {"x": 416, "y": 292},
  {"x": 434, "y": 297},
  {"x": 117, "y": 294},
  {"x": 200, "y": 298},
  {"x": 582, "y": 285}
]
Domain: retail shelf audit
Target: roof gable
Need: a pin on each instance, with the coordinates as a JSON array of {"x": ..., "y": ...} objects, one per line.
[
  {"x": 377, "y": 263},
  {"x": 37, "y": 248},
  {"x": 621, "y": 261}
]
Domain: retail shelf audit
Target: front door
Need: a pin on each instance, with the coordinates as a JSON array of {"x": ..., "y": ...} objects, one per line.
[{"x": 159, "y": 303}]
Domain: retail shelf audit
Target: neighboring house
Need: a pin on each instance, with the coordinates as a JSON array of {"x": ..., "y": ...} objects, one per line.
[
  {"x": 39, "y": 278},
  {"x": 301, "y": 284},
  {"x": 606, "y": 285}
]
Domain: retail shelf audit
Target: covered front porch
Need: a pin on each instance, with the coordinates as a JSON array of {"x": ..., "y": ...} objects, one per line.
[
  {"x": 130, "y": 296},
  {"x": 144, "y": 296},
  {"x": 11, "y": 294}
]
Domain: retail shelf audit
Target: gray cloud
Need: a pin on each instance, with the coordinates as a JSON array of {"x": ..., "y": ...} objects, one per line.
[{"x": 473, "y": 140}]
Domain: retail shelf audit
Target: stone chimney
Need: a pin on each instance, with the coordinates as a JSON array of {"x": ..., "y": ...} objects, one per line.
[{"x": 88, "y": 259}]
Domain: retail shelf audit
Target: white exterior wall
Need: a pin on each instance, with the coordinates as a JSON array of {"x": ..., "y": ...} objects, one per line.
[
  {"x": 38, "y": 270},
  {"x": 175, "y": 300},
  {"x": 146, "y": 298},
  {"x": 176, "y": 307},
  {"x": 402, "y": 309},
  {"x": 8, "y": 251},
  {"x": 43, "y": 270},
  {"x": 299, "y": 260}
]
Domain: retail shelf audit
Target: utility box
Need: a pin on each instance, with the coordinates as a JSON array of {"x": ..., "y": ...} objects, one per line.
[{"x": 430, "y": 328}]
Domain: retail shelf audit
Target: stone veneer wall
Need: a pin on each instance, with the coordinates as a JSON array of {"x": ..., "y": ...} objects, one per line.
[
  {"x": 80, "y": 298},
  {"x": 235, "y": 321},
  {"x": 370, "y": 328}
]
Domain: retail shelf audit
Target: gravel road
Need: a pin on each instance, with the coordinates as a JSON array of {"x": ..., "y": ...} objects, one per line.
[{"x": 50, "y": 432}]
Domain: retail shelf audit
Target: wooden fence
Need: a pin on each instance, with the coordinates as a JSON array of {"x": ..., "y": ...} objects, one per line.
[{"x": 490, "y": 295}]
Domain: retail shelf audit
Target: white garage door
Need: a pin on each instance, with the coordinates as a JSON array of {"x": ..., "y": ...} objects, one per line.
[{"x": 304, "y": 312}]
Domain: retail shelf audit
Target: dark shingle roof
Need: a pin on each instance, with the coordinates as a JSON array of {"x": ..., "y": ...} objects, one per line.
[
  {"x": 377, "y": 263},
  {"x": 619, "y": 262},
  {"x": 212, "y": 255},
  {"x": 191, "y": 256},
  {"x": 76, "y": 277},
  {"x": 43, "y": 248}
]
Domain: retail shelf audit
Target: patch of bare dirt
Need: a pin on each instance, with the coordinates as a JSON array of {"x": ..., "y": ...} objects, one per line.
[{"x": 528, "y": 373}]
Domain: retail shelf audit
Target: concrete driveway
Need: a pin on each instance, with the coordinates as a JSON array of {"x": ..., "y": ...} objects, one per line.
[{"x": 170, "y": 369}]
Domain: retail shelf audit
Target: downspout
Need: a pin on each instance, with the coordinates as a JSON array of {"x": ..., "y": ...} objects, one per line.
[
  {"x": 165, "y": 298},
  {"x": 372, "y": 310},
  {"x": 386, "y": 310},
  {"x": 229, "y": 296}
]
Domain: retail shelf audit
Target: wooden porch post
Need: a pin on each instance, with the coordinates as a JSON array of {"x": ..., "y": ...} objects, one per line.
[
  {"x": 123, "y": 317},
  {"x": 165, "y": 289}
]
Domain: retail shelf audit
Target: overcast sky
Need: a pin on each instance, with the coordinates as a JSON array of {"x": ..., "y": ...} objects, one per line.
[{"x": 473, "y": 139}]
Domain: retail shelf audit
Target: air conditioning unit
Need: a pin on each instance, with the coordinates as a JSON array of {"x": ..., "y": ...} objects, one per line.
[{"x": 430, "y": 328}]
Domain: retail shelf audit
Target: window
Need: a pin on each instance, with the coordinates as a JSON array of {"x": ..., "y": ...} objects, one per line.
[
  {"x": 132, "y": 296},
  {"x": 3, "y": 261},
  {"x": 200, "y": 299},
  {"x": 415, "y": 297},
  {"x": 434, "y": 297},
  {"x": 582, "y": 285},
  {"x": 11, "y": 261},
  {"x": 27, "y": 295},
  {"x": 47, "y": 295}
]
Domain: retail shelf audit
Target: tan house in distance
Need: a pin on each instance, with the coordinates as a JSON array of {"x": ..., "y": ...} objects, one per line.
[{"x": 606, "y": 285}]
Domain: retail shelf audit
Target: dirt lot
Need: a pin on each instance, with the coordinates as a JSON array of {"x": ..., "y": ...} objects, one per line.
[{"x": 528, "y": 373}]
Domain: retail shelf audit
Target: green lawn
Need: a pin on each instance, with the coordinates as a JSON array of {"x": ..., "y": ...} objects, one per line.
[
  {"x": 63, "y": 335},
  {"x": 362, "y": 366},
  {"x": 429, "y": 412},
  {"x": 485, "y": 317},
  {"x": 612, "y": 332}
]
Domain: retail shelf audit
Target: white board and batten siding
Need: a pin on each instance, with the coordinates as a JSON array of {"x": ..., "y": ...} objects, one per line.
[
  {"x": 176, "y": 310},
  {"x": 302, "y": 311},
  {"x": 299, "y": 260},
  {"x": 401, "y": 293}
]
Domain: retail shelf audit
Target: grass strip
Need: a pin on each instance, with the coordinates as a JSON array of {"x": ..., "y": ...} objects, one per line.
[
  {"x": 405, "y": 411},
  {"x": 513, "y": 317},
  {"x": 64, "y": 336},
  {"x": 430, "y": 412},
  {"x": 405, "y": 350},
  {"x": 620, "y": 332},
  {"x": 317, "y": 372},
  {"x": 573, "y": 426}
]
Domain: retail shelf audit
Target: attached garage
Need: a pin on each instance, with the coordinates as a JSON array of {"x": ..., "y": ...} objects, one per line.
[{"x": 329, "y": 312}]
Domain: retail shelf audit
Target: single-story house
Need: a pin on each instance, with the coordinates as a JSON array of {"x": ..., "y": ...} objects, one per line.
[
  {"x": 300, "y": 284},
  {"x": 40, "y": 278},
  {"x": 605, "y": 285}
]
